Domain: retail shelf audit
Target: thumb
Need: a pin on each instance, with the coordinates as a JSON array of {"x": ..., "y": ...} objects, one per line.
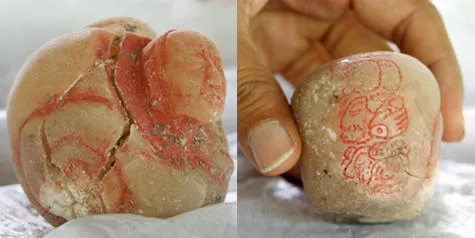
[{"x": 267, "y": 132}]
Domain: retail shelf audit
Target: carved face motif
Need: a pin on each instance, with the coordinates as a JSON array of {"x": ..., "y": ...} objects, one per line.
[
  {"x": 185, "y": 76},
  {"x": 354, "y": 122},
  {"x": 375, "y": 116}
]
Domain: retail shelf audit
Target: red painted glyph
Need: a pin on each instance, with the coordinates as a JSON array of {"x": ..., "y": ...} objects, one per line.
[{"x": 372, "y": 120}]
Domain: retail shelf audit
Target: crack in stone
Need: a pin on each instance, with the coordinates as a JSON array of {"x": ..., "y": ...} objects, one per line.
[
  {"x": 55, "y": 169},
  {"x": 80, "y": 77},
  {"x": 412, "y": 175},
  {"x": 47, "y": 148},
  {"x": 125, "y": 131},
  {"x": 120, "y": 141}
]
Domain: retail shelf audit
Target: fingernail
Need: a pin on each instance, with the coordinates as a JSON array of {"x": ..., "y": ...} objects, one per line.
[{"x": 271, "y": 145}]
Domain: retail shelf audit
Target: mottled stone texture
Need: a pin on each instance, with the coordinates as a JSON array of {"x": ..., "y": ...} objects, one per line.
[
  {"x": 111, "y": 119},
  {"x": 371, "y": 129}
]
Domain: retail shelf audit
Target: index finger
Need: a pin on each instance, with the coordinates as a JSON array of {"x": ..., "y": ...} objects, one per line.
[{"x": 417, "y": 28}]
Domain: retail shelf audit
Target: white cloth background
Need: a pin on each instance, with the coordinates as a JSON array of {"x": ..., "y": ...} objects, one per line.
[
  {"x": 274, "y": 207},
  {"x": 18, "y": 219}
]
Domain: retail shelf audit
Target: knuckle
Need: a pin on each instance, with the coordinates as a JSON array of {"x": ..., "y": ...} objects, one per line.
[{"x": 256, "y": 96}]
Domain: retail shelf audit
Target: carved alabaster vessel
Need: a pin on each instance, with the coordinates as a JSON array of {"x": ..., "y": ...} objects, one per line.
[
  {"x": 113, "y": 119},
  {"x": 371, "y": 129}
]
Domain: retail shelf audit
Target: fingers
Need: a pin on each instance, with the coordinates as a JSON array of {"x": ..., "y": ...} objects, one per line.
[
  {"x": 315, "y": 56},
  {"x": 266, "y": 128},
  {"x": 348, "y": 36},
  {"x": 417, "y": 28},
  {"x": 253, "y": 6},
  {"x": 325, "y": 10},
  {"x": 344, "y": 37},
  {"x": 283, "y": 36}
]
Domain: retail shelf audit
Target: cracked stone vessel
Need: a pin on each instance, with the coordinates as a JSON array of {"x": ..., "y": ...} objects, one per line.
[
  {"x": 112, "y": 119},
  {"x": 371, "y": 130}
]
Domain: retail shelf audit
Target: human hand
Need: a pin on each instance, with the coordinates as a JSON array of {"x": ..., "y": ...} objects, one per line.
[{"x": 293, "y": 37}]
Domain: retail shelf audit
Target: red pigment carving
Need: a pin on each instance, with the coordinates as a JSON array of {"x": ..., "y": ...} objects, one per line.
[
  {"x": 168, "y": 147},
  {"x": 372, "y": 118},
  {"x": 211, "y": 62},
  {"x": 141, "y": 86},
  {"x": 125, "y": 202},
  {"x": 100, "y": 51},
  {"x": 428, "y": 174}
]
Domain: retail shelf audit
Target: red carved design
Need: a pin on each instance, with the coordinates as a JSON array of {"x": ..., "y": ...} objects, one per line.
[
  {"x": 179, "y": 126},
  {"x": 372, "y": 118},
  {"x": 139, "y": 84},
  {"x": 211, "y": 62},
  {"x": 431, "y": 156}
]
